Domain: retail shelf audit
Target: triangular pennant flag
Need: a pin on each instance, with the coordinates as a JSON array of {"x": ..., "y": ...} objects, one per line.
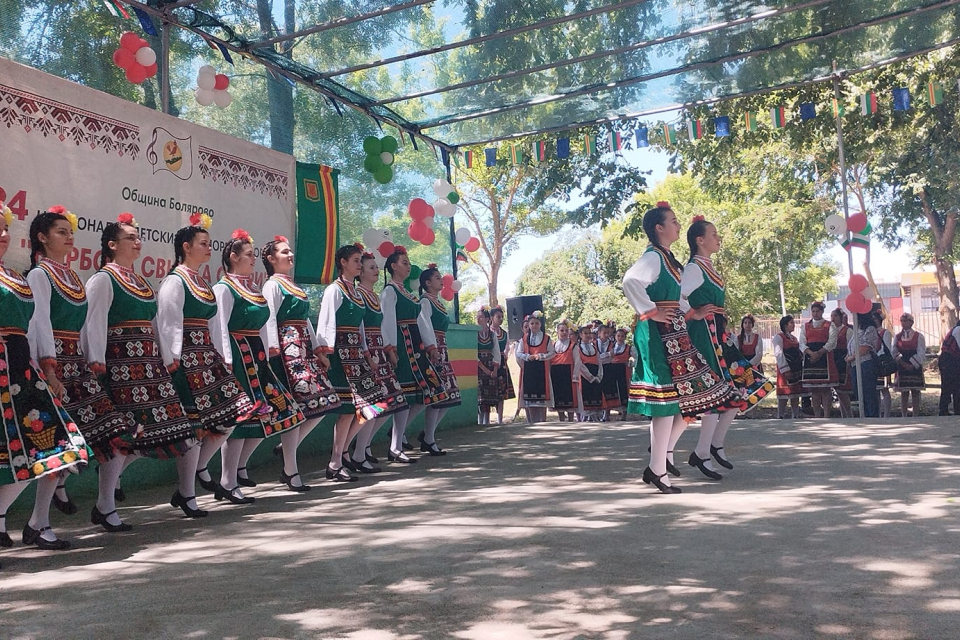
[
  {"x": 563, "y": 147},
  {"x": 490, "y": 155},
  {"x": 778, "y": 117},
  {"x": 934, "y": 93},
  {"x": 589, "y": 144},
  {"x": 642, "y": 134},
  {"x": 516, "y": 154},
  {"x": 808, "y": 111},
  {"x": 226, "y": 56},
  {"x": 722, "y": 126},
  {"x": 114, "y": 7},
  {"x": 145, "y": 22},
  {"x": 468, "y": 159},
  {"x": 856, "y": 240},
  {"x": 669, "y": 134},
  {"x": 838, "y": 109},
  {"x": 615, "y": 141},
  {"x": 868, "y": 103},
  {"x": 540, "y": 150},
  {"x": 445, "y": 157},
  {"x": 901, "y": 99},
  {"x": 694, "y": 129},
  {"x": 750, "y": 120},
  {"x": 461, "y": 256}
]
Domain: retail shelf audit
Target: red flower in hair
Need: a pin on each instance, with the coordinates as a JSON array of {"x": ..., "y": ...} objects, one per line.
[
  {"x": 698, "y": 218},
  {"x": 240, "y": 234},
  {"x": 126, "y": 218},
  {"x": 280, "y": 239},
  {"x": 663, "y": 204},
  {"x": 195, "y": 219},
  {"x": 399, "y": 248},
  {"x": 57, "y": 208},
  {"x": 432, "y": 265},
  {"x": 358, "y": 245}
]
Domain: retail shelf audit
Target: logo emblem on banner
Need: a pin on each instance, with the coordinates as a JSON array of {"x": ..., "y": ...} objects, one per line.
[
  {"x": 175, "y": 154},
  {"x": 311, "y": 189}
]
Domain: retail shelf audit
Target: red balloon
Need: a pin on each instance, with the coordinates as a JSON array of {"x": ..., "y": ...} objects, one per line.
[
  {"x": 857, "y": 222},
  {"x": 222, "y": 82},
  {"x": 386, "y": 248},
  {"x": 151, "y": 70},
  {"x": 472, "y": 244},
  {"x": 428, "y": 237},
  {"x": 136, "y": 73},
  {"x": 857, "y": 303},
  {"x": 419, "y": 209},
  {"x": 448, "y": 280},
  {"x": 415, "y": 230},
  {"x": 130, "y": 41},
  {"x": 447, "y": 294},
  {"x": 143, "y": 43},
  {"x": 123, "y": 58},
  {"x": 857, "y": 283}
]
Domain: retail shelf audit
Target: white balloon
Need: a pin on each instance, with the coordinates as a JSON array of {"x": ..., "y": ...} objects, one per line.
[
  {"x": 429, "y": 220},
  {"x": 146, "y": 56},
  {"x": 207, "y": 70},
  {"x": 204, "y": 97},
  {"x": 835, "y": 225},
  {"x": 222, "y": 98},
  {"x": 206, "y": 81},
  {"x": 386, "y": 158},
  {"x": 380, "y": 260},
  {"x": 387, "y": 235},
  {"x": 462, "y": 235},
  {"x": 444, "y": 208},
  {"x": 456, "y": 286},
  {"x": 441, "y": 187},
  {"x": 370, "y": 238}
]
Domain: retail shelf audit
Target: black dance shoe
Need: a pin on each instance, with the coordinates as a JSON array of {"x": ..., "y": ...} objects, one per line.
[
  {"x": 278, "y": 450},
  {"x": 432, "y": 449},
  {"x": 245, "y": 482},
  {"x": 101, "y": 519},
  {"x": 64, "y": 506},
  {"x": 401, "y": 457},
  {"x": 340, "y": 475},
  {"x": 672, "y": 470},
  {"x": 349, "y": 463},
  {"x": 179, "y": 500},
  {"x": 5, "y": 540},
  {"x": 32, "y": 536},
  {"x": 715, "y": 452},
  {"x": 650, "y": 477},
  {"x": 223, "y": 494},
  {"x": 698, "y": 462},
  {"x": 209, "y": 485},
  {"x": 119, "y": 495},
  {"x": 288, "y": 480},
  {"x": 366, "y": 467},
  {"x": 368, "y": 454}
]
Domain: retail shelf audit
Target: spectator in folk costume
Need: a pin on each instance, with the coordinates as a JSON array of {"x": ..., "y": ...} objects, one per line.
[
  {"x": 588, "y": 372},
  {"x": 786, "y": 350},
  {"x": 504, "y": 379},
  {"x": 844, "y": 384},
  {"x": 534, "y": 353},
  {"x": 884, "y": 345},
  {"x": 621, "y": 355},
  {"x": 818, "y": 339},
  {"x": 488, "y": 362},
  {"x": 868, "y": 340},
  {"x": 565, "y": 386},
  {"x": 909, "y": 351},
  {"x": 750, "y": 342},
  {"x": 948, "y": 362}
]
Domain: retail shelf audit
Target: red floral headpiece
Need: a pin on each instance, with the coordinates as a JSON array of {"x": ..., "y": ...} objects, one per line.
[
  {"x": 57, "y": 208},
  {"x": 432, "y": 265},
  {"x": 663, "y": 204},
  {"x": 399, "y": 248},
  {"x": 127, "y": 218},
  {"x": 201, "y": 220},
  {"x": 242, "y": 235},
  {"x": 281, "y": 239},
  {"x": 698, "y": 218}
]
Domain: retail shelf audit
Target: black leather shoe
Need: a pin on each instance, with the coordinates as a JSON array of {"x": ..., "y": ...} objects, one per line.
[
  {"x": 715, "y": 452},
  {"x": 698, "y": 462},
  {"x": 5, "y": 540},
  {"x": 366, "y": 467},
  {"x": 64, "y": 506},
  {"x": 119, "y": 495},
  {"x": 650, "y": 477},
  {"x": 209, "y": 485},
  {"x": 33, "y": 536},
  {"x": 222, "y": 494},
  {"x": 369, "y": 456},
  {"x": 278, "y": 450},
  {"x": 349, "y": 463},
  {"x": 340, "y": 475},
  {"x": 672, "y": 470},
  {"x": 432, "y": 449},
  {"x": 179, "y": 500},
  {"x": 101, "y": 519},
  {"x": 406, "y": 446},
  {"x": 244, "y": 482},
  {"x": 288, "y": 480},
  {"x": 401, "y": 457}
]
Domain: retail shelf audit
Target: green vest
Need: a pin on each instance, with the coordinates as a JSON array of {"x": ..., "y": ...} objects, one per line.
[
  {"x": 68, "y": 305},
  {"x": 131, "y": 302},
  {"x": 16, "y": 299},
  {"x": 295, "y": 305},
  {"x": 199, "y": 303}
]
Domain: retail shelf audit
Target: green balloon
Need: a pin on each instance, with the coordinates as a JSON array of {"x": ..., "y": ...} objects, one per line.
[
  {"x": 389, "y": 144},
  {"x": 372, "y": 146},
  {"x": 453, "y": 197},
  {"x": 413, "y": 280},
  {"x": 383, "y": 175},
  {"x": 372, "y": 163}
]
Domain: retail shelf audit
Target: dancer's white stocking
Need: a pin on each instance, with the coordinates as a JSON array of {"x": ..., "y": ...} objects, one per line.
[
  {"x": 187, "y": 472},
  {"x": 660, "y": 428},
  {"x": 708, "y": 427}
]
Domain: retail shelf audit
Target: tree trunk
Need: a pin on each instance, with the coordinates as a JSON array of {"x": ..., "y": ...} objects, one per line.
[
  {"x": 783, "y": 293},
  {"x": 279, "y": 92},
  {"x": 944, "y": 233},
  {"x": 492, "y": 284}
]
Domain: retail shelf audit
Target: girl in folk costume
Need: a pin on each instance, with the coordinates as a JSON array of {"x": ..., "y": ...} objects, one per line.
[
  {"x": 674, "y": 379},
  {"x": 240, "y": 334},
  {"x": 909, "y": 352},
  {"x": 39, "y": 439},
  {"x": 504, "y": 379},
  {"x": 296, "y": 356},
  {"x": 208, "y": 390},
  {"x": 786, "y": 350},
  {"x": 618, "y": 370},
  {"x": 119, "y": 340},
  {"x": 884, "y": 344},
  {"x": 839, "y": 354},
  {"x": 611, "y": 393},
  {"x": 402, "y": 329},
  {"x": 60, "y": 309},
  {"x": 434, "y": 326},
  {"x": 363, "y": 460},
  {"x": 750, "y": 342},
  {"x": 524, "y": 332},
  {"x": 340, "y": 330},
  {"x": 564, "y": 363},
  {"x": 588, "y": 371},
  {"x": 702, "y": 296},
  {"x": 534, "y": 352},
  {"x": 818, "y": 339},
  {"x": 488, "y": 361}
]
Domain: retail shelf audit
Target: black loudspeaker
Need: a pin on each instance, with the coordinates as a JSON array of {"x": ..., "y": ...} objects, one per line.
[{"x": 517, "y": 309}]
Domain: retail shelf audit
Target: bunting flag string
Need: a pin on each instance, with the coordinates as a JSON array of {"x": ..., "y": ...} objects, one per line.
[
  {"x": 563, "y": 148},
  {"x": 615, "y": 141},
  {"x": 589, "y": 144},
  {"x": 868, "y": 103},
  {"x": 540, "y": 150},
  {"x": 695, "y": 129},
  {"x": 116, "y": 9}
]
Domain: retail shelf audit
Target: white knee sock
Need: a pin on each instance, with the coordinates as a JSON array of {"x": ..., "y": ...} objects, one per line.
[
  {"x": 249, "y": 446},
  {"x": 187, "y": 473},
  {"x": 432, "y": 420},
  {"x": 720, "y": 435},
  {"x": 229, "y": 461},
  {"x": 40, "y": 518},
  {"x": 208, "y": 448},
  {"x": 365, "y": 437},
  {"x": 677, "y": 428},
  {"x": 659, "y": 443},
  {"x": 400, "y": 421},
  {"x": 291, "y": 440},
  {"x": 708, "y": 426},
  {"x": 8, "y": 495},
  {"x": 308, "y": 426},
  {"x": 109, "y": 479}
]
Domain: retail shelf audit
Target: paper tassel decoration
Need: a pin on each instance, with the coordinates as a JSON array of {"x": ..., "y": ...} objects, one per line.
[
  {"x": 642, "y": 134},
  {"x": 901, "y": 99},
  {"x": 563, "y": 148},
  {"x": 868, "y": 103},
  {"x": 778, "y": 117},
  {"x": 490, "y": 155},
  {"x": 722, "y": 126},
  {"x": 694, "y": 129},
  {"x": 856, "y": 240},
  {"x": 808, "y": 111}
]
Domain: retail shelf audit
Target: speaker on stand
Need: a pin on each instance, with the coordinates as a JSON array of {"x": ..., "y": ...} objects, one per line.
[{"x": 517, "y": 309}]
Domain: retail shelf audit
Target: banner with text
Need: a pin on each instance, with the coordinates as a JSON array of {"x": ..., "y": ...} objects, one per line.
[{"x": 98, "y": 155}]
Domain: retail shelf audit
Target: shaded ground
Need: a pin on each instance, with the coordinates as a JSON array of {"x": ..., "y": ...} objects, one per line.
[{"x": 823, "y": 529}]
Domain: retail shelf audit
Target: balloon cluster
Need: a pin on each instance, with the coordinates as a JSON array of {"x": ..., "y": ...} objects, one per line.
[
  {"x": 380, "y": 241},
  {"x": 447, "y": 198},
  {"x": 857, "y": 225},
  {"x": 136, "y": 58},
  {"x": 450, "y": 287},
  {"x": 422, "y": 215},
  {"x": 212, "y": 88},
  {"x": 465, "y": 240},
  {"x": 857, "y": 302},
  {"x": 380, "y": 155}
]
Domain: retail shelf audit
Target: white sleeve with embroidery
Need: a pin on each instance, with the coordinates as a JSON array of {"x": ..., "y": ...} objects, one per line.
[
  {"x": 220, "y": 328},
  {"x": 426, "y": 324},
  {"x": 690, "y": 281},
  {"x": 388, "y": 306},
  {"x": 40, "y": 329},
  {"x": 327, "y": 321},
  {"x": 271, "y": 291},
  {"x": 641, "y": 275},
  {"x": 93, "y": 336},
  {"x": 170, "y": 319}
]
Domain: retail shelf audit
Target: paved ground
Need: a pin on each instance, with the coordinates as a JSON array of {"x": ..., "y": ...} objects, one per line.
[{"x": 824, "y": 529}]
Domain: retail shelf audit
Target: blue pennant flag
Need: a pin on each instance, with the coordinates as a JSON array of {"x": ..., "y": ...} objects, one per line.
[
  {"x": 145, "y": 22},
  {"x": 808, "y": 111},
  {"x": 563, "y": 147},
  {"x": 642, "y": 137},
  {"x": 901, "y": 99},
  {"x": 445, "y": 157},
  {"x": 722, "y": 126},
  {"x": 225, "y": 52},
  {"x": 491, "y": 156}
]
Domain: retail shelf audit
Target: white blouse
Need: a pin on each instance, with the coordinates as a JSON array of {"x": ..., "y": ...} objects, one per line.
[
  {"x": 427, "y": 334},
  {"x": 327, "y": 322},
  {"x": 758, "y": 356},
  {"x": 918, "y": 359},
  {"x": 220, "y": 323},
  {"x": 536, "y": 340},
  {"x": 496, "y": 347},
  {"x": 580, "y": 370},
  {"x": 831, "y": 339},
  {"x": 93, "y": 336},
  {"x": 690, "y": 281},
  {"x": 40, "y": 329},
  {"x": 782, "y": 365},
  {"x": 274, "y": 295},
  {"x": 641, "y": 275}
]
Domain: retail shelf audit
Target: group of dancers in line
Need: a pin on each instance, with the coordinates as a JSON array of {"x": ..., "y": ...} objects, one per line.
[
  {"x": 821, "y": 360},
  {"x": 116, "y": 371}
]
